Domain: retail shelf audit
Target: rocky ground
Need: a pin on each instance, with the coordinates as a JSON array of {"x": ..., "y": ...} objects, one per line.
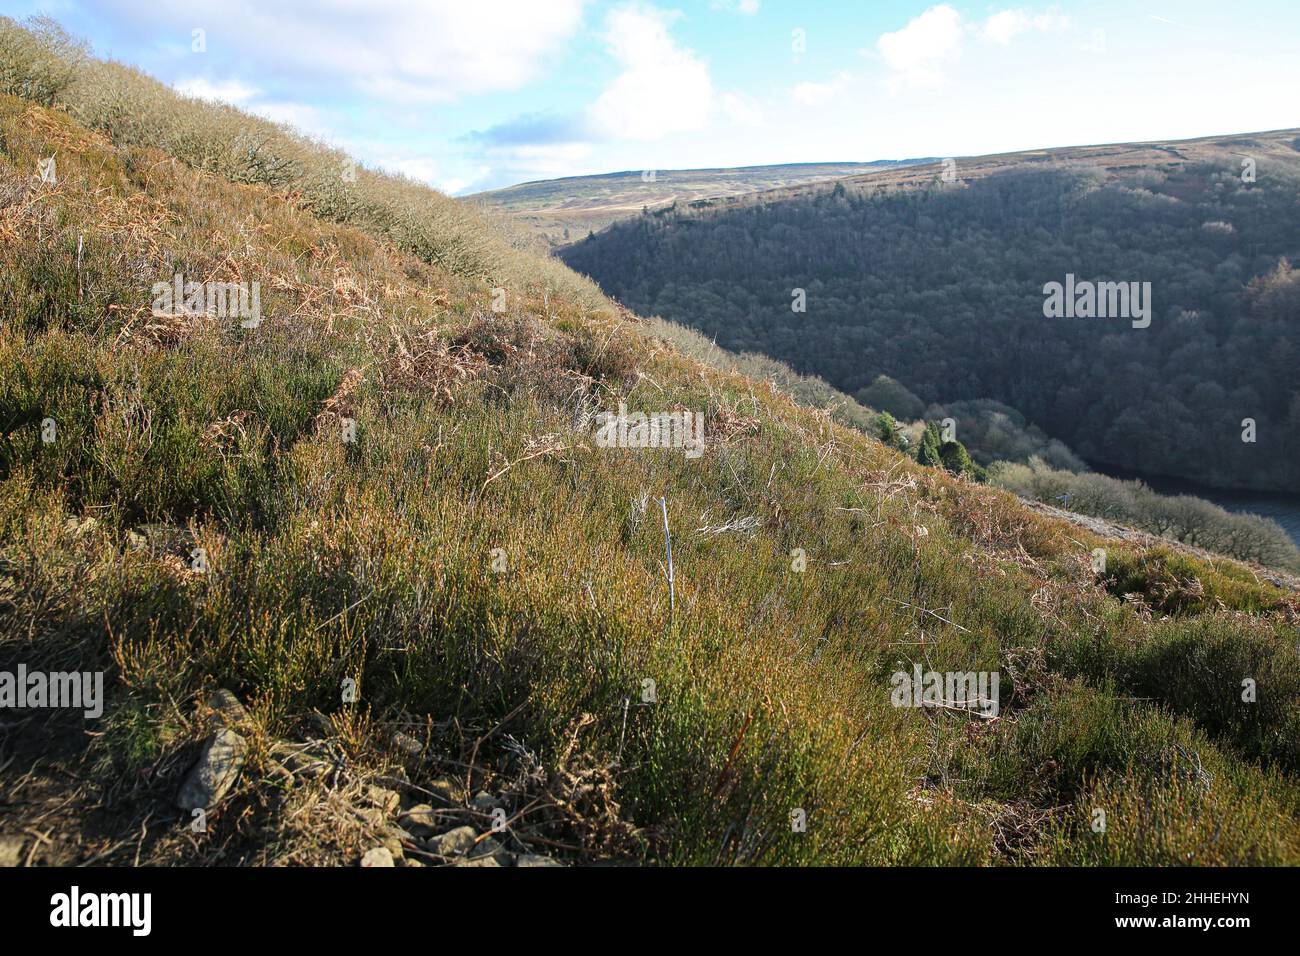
[{"x": 434, "y": 823}]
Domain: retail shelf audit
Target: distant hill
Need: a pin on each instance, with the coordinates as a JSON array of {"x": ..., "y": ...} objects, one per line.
[
  {"x": 939, "y": 285},
  {"x": 565, "y": 210}
]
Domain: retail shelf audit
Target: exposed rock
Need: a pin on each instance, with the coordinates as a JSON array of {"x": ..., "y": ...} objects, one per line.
[
  {"x": 489, "y": 846},
  {"x": 216, "y": 771},
  {"x": 78, "y": 528},
  {"x": 227, "y": 711},
  {"x": 407, "y": 744},
  {"x": 392, "y": 842},
  {"x": 478, "y": 861},
  {"x": 445, "y": 789},
  {"x": 11, "y": 850},
  {"x": 372, "y": 817},
  {"x": 455, "y": 842},
  {"x": 160, "y": 539},
  {"x": 387, "y": 801},
  {"x": 321, "y": 724},
  {"x": 397, "y": 780},
  {"x": 483, "y": 801},
  {"x": 299, "y": 760},
  {"x": 535, "y": 859},
  {"x": 421, "y": 820},
  {"x": 378, "y": 857}
]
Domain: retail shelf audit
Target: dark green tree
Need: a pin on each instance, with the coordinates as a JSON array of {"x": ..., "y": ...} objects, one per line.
[
  {"x": 887, "y": 429},
  {"x": 927, "y": 451},
  {"x": 957, "y": 460}
]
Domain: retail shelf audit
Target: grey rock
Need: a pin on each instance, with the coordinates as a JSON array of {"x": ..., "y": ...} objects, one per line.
[
  {"x": 535, "y": 859},
  {"x": 216, "y": 771},
  {"x": 298, "y": 760},
  {"x": 227, "y": 711},
  {"x": 407, "y": 744},
  {"x": 483, "y": 801},
  {"x": 380, "y": 856},
  {"x": 421, "y": 820},
  {"x": 455, "y": 842},
  {"x": 488, "y": 846},
  {"x": 321, "y": 724},
  {"x": 478, "y": 861},
  {"x": 395, "y": 780},
  {"x": 161, "y": 539}
]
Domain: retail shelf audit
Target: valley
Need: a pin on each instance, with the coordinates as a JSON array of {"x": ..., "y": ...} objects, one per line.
[{"x": 951, "y": 290}]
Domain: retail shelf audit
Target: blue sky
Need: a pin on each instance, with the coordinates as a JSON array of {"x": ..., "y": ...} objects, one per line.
[{"x": 476, "y": 94}]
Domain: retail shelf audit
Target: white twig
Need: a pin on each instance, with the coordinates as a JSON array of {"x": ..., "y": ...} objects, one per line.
[
  {"x": 924, "y": 610},
  {"x": 668, "y": 543},
  {"x": 623, "y": 731}
]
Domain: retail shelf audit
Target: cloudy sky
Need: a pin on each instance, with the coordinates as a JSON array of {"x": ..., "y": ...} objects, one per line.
[{"x": 474, "y": 94}]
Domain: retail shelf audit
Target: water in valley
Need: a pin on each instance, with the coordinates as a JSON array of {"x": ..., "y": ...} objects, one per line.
[{"x": 1283, "y": 507}]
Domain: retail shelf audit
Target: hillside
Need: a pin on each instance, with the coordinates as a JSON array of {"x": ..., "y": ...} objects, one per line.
[
  {"x": 941, "y": 286},
  {"x": 564, "y": 210},
  {"x": 365, "y": 564}
]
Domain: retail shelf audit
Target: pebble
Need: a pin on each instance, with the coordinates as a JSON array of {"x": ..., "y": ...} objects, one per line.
[{"x": 377, "y": 857}]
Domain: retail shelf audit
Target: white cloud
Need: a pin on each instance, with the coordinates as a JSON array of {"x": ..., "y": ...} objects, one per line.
[
  {"x": 527, "y": 162},
  {"x": 304, "y": 118},
  {"x": 411, "y": 50},
  {"x": 919, "y": 52},
  {"x": 815, "y": 94},
  {"x": 1002, "y": 27},
  {"x": 414, "y": 167},
  {"x": 223, "y": 91},
  {"x": 663, "y": 88},
  {"x": 747, "y": 7},
  {"x": 1006, "y": 25},
  {"x": 418, "y": 167},
  {"x": 742, "y": 110}
]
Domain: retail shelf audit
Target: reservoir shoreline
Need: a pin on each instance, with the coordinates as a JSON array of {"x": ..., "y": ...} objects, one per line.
[{"x": 1281, "y": 506}]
